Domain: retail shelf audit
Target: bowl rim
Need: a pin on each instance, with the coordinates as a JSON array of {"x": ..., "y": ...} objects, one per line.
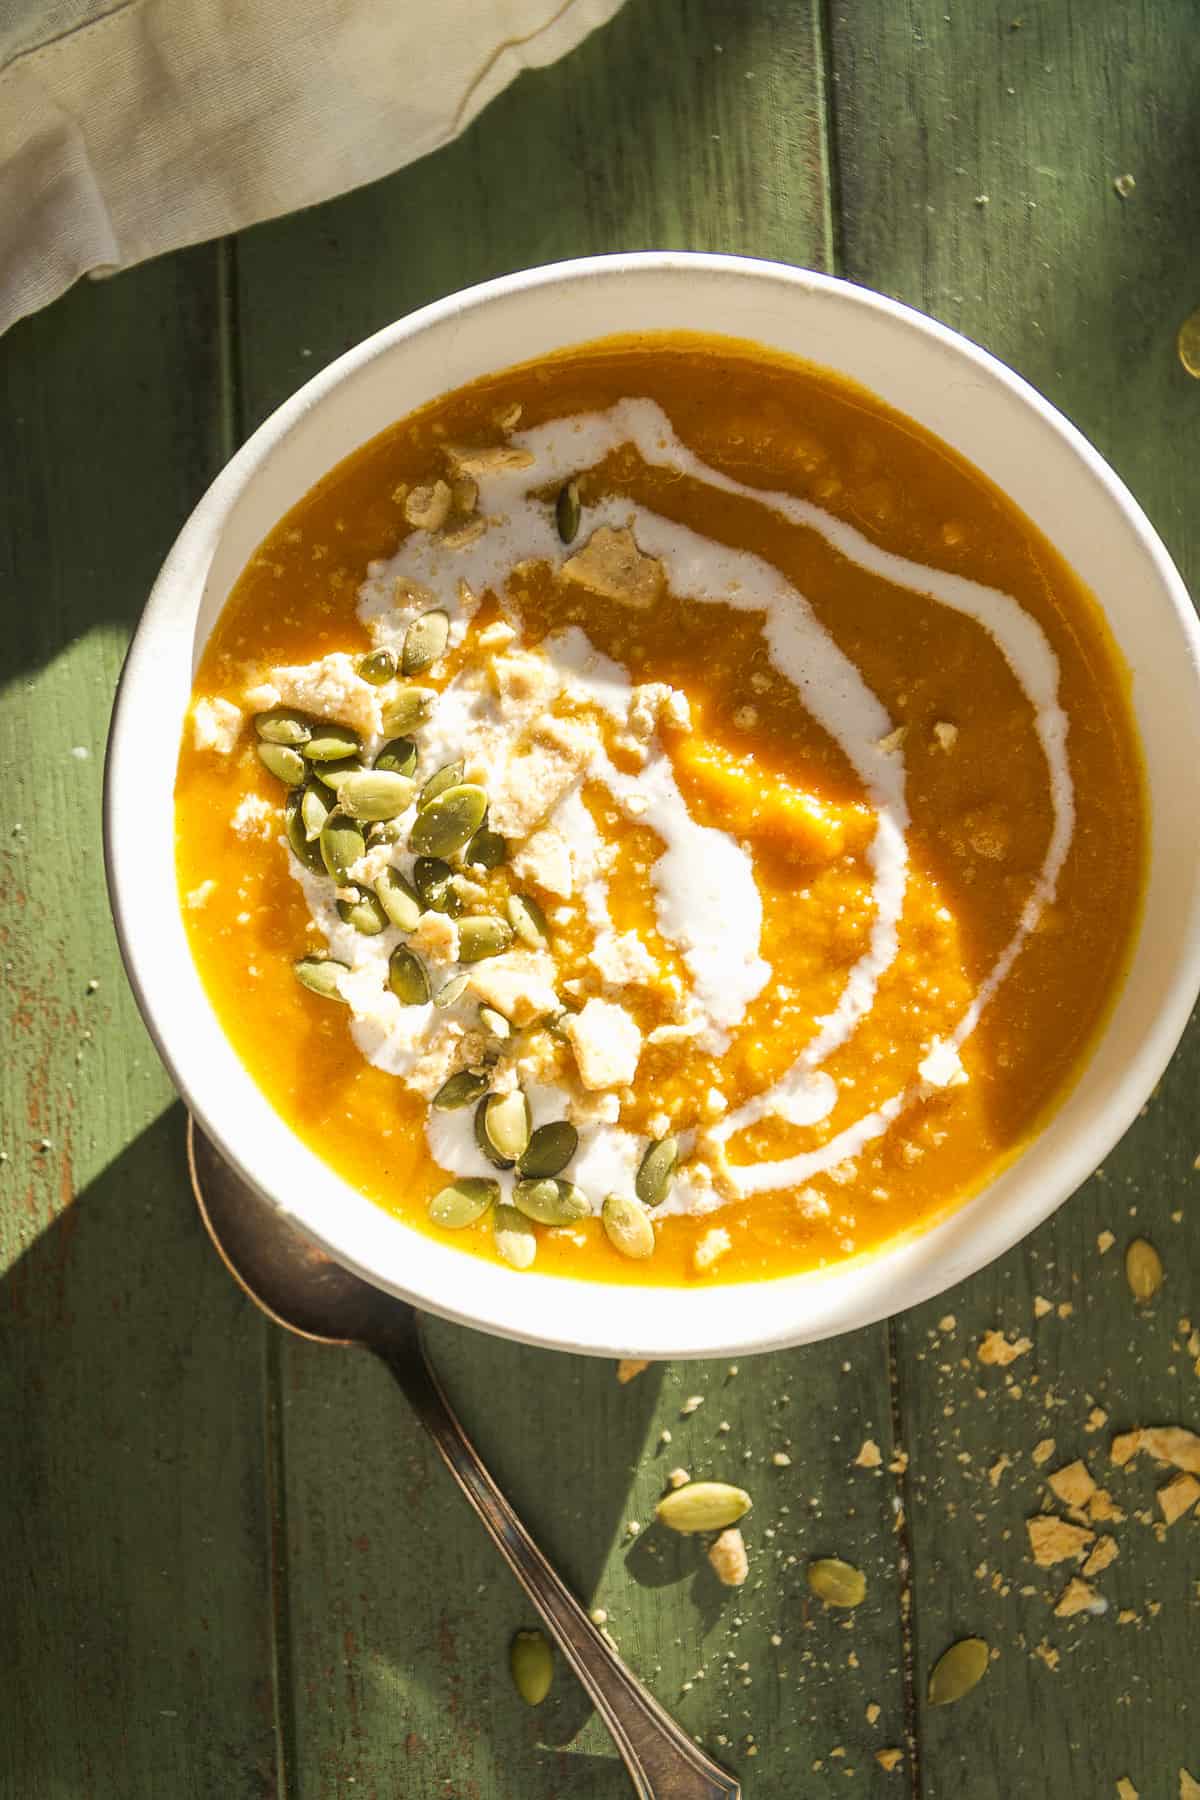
[{"x": 904, "y": 1271}]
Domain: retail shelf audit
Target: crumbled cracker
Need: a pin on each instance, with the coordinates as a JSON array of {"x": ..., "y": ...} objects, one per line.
[
  {"x": 1096, "y": 1420},
  {"x": 1073, "y": 1484},
  {"x": 1102, "y": 1507},
  {"x": 1165, "y": 1443},
  {"x": 611, "y": 565},
  {"x": 1041, "y": 1307},
  {"x": 496, "y": 459},
  {"x": 1078, "y": 1596},
  {"x": 873, "y": 1712},
  {"x": 1043, "y": 1450},
  {"x": 1126, "y": 1789},
  {"x": 781, "y": 1459},
  {"x": 870, "y": 1456},
  {"x": 678, "y": 1478},
  {"x": 1189, "y": 1787},
  {"x": 1048, "y": 1654},
  {"x": 946, "y": 734},
  {"x": 889, "y": 1759},
  {"x": 947, "y": 1322},
  {"x": 893, "y": 740},
  {"x": 996, "y": 1350},
  {"x": 428, "y": 507},
  {"x": 1106, "y": 1552},
  {"x": 629, "y": 1366},
  {"x": 997, "y": 1469},
  {"x": 692, "y": 1404},
  {"x": 1053, "y": 1540},
  {"x": 1105, "y": 1242},
  {"x": 1178, "y": 1497},
  {"x": 728, "y": 1558}
]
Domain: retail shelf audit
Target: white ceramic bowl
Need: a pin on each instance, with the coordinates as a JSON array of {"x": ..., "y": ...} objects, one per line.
[{"x": 952, "y": 388}]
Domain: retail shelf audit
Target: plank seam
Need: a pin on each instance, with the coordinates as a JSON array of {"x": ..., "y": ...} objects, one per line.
[
  {"x": 283, "y": 1715},
  {"x": 904, "y": 1545},
  {"x": 832, "y": 185}
]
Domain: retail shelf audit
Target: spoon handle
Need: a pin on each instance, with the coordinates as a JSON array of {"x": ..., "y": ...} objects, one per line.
[{"x": 663, "y": 1762}]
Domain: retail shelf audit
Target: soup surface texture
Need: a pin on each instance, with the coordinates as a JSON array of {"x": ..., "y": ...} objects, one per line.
[{"x": 660, "y": 813}]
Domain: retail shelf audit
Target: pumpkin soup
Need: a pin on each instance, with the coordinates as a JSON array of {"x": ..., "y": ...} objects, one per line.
[{"x": 659, "y": 813}]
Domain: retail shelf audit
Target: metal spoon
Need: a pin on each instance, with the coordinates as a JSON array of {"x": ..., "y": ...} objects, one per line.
[{"x": 302, "y": 1289}]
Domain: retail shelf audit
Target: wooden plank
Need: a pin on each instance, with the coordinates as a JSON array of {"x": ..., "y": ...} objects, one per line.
[
  {"x": 682, "y": 124},
  {"x": 977, "y": 152},
  {"x": 136, "y": 1649}
]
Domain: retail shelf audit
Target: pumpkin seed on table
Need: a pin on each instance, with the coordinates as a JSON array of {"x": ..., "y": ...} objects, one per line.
[
  {"x": 460, "y": 1089},
  {"x": 432, "y": 878},
  {"x": 514, "y": 1236},
  {"x": 502, "y": 1127},
  {"x": 487, "y": 849},
  {"x": 703, "y": 1506},
  {"x": 627, "y": 1226},
  {"x": 837, "y": 1583},
  {"x": 531, "y": 1661},
  {"x": 446, "y": 823},
  {"x": 449, "y": 775},
  {"x": 331, "y": 743},
  {"x": 497, "y": 1026},
  {"x": 551, "y": 1201},
  {"x": 482, "y": 935},
  {"x": 653, "y": 1180},
  {"x": 321, "y": 975},
  {"x": 957, "y": 1671},
  {"x": 398, "y": 899},
  {"x": 464, "y": 1201},
  {"x": 378, "y": 666},
  {"x": 283, "y": 726},
  {"x": 364, "y": 912},
  {"x": 308, "y": 852},
  {"x": 452, "y": 990},
  {"x": 280, "y": 760},
  {"x": 398, "y": 756},
  {"x": 375, "y": 794},
  {"x": 316, "y": 804},
  {"x": 332, "y": 774},
  {"x": 424, "y": 641},
  {"x": 411, "y": 706},
  {"x": 407, "y": 977},
  {"x": 1143, "y": 1269},
  {"x": 567, "y": 511},
  {"x": 549, "y": 1149},
  {"x": 342, "y": 843},
  {"x": 527, "y": 920}
]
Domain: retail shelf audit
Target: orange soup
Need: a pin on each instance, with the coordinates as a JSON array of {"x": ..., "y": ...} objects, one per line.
[{"x": 660, "y": 813}]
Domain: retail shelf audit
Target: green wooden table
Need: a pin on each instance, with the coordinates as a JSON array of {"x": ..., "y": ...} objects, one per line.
[{"x": 231, "y": 1565}]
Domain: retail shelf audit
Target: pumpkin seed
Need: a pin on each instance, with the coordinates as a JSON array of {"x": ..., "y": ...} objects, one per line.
[
  {"x": 551, "y": 1202},
  {"x": 449, "y": 775},
  {"x": 398, "y": 756},
  {"x": 452, "y": 990},
  {"x": 482, "y": 935},
  {"x": 1143, "y": 1270},
  {"x": 837, "y": 1583},
  {"x": 567, "y": 511},
  {"x": 315, "y": 808},
  {"x": 411, "y": 706},
  {"x": 378, "y": 666},
  {"x": 494, "y": 1022},
  {"x": 703, "y": 1506},
  {"x": 332, "y": 774},
  {"x": 385, "y": 831},
  {"x": 302, "y": 846},
  {"x": 375, "y": 794},
  {"x": 502, "y": 1127},
  {"x": 283, "y": 726},
  {"x": 280, "y": 760},
  {"x": 464, "y": 1201},
  {"x": 342, "y": 843},
  {"x": 627, "y": 1226},
  {"x": 957, "y": 1671},
  {"x": 550, "y": 1148},
  {"x": 320, "y": 975},
  {"x": 330, "y": 743},
  {"x": 653, "y": 1179},
  {"x": 406, "y": 976},
  {"x": 424, "y": 641},
  {"x": 514, "y": 1237},
  {"x": 433, "y": 877},
  {"x": 460, "y": 1090},
  {"x": 532, "y": 1663},
  {"x": 446, "y": 822},
  {"x": 527, "y": 920},
  {"x": 487, "y": 849},
  {"x": 364, "y": 912},
  {"x": 398, "y": 900}
]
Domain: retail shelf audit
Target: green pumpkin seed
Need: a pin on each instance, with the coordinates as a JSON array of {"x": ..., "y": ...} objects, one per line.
[
  {"x": 449, "y": 775},
  {"x": 332, "y": 774},
  {"x": 280, "y": 760},
  {"x": 461, "y": 1089},
  {"x": 550, "y": 1148},
  {"x": 482, "y": 936},
  {"x": 494, "y": 1022},
  {"x": 342, "y": 843},
  {"x": 837, "y": 1583},
  {"x": 411, "y": 707},
  {"x": 398, "y": 756},
  {"x": 1143, "y": 1270},
  {"x": 330, "y": 743},
  {"x": 446, "y": 822},
  {"x": 283, "y": 726},
  {"x": 502, "y": 1127},
  {"x": 433, "y": 877},
  {"x": 532, "y": 1663},
  {"x": 627, "y": 1226},
  {"x": 320, "y": 975},
  {"x": 957, "y": 1671},
  {"x": 453, "y": 990},
  {"x": 398, "y": 900},
  {"x": 567, "y": 511},
  {"x": 551, "y": 1202},
  {"x": 486, "y": 850},
  {"x": 375, "y": 794},
  {"x": 315, "y": 808},
  {"x": 378, "y": 666},
  {"x": 527, "y": 920},
  {"x": 514, "y": 1236},
  {"x": 703, "y": 1506},
  {"x": 363, "y": 912},
  {"x": 424, "y": 641},
  {"x": 302, "y": 846},
  {"x": 464, "y": 1201},
  {"x": 653, "y": 1180},
  {"x": 406, "y": 976}
]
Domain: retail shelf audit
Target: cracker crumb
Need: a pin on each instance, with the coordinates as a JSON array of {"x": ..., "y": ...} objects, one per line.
[
  {"x": 781, "y": 1459},
  {"x": 692, "y": 1404},
  {"x": 945, "y": 734},
  {"x": 1189, "y": 1787},
  {"x": 873, "y": 1712},
  {"x": 997, "y": 1351},
  {"x": 1053, "y": 1540},
  {"x": 1107, "y": 1550},
  {"x": 629, "y": 1366},
  {"x": 889, "y": 1759},
  {"x": 1126, "y": 1789},
  {"x": 1043, "y": 1450},
  {"x": 678, "y": 1478},
  {"x": 715, "y": 1243},
  {"x": 1096, "y": 1420},
  {"x": 1105, "y": 1242},
  {"x": 1178, "y": 1497},
  {"x": 1065, "y": 1308},
  {"x": 1077, "y": 1597},
  {"x": 1124, "y": 186},
  {"x": 1165, "y": 1443},
  {"x": 728, "y": 1558},
  {"x": 997, "y": 1469},
  {"x": 870, "y": 1456},
  {"x": 599, "y": 1616},
  {"x": 947, "y": 1322},
  {"x": 1041, "y": 1307},
  {"x": 1048, "y": 1654},
  {"x": 611, "y": 565},
  {"x": 1102, "y": 1507},
  {"x": 427, "y": 508},
  {"x": 1072, "y": 1484}
]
